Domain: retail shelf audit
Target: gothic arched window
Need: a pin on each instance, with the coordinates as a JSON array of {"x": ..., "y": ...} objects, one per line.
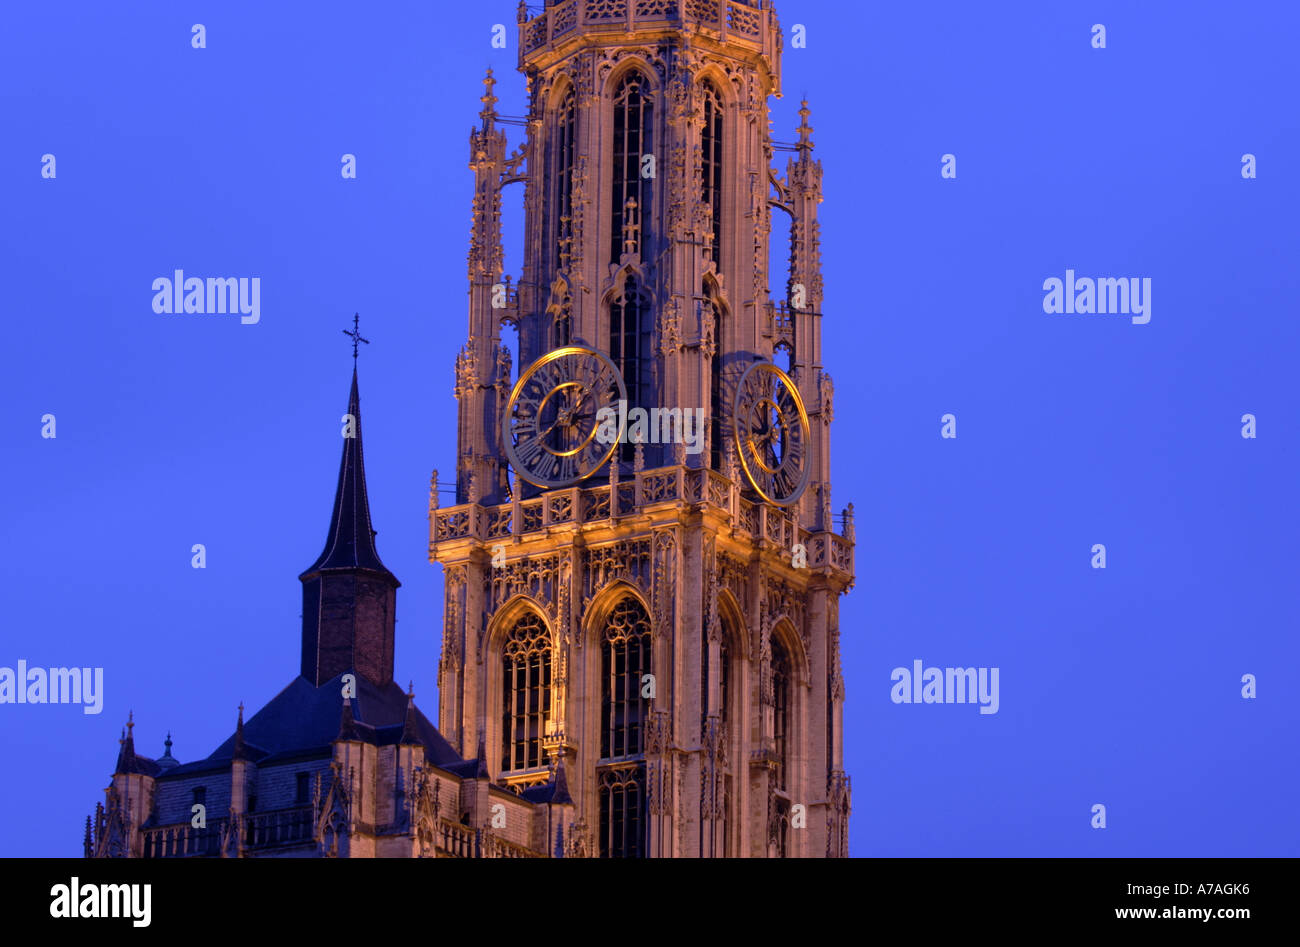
[
  {"x": 560, "y": 227},
  {"x": 711, "y": 175},
  {"x": 781, "y": 711},
  {"x": 781, "y": 721},
  {"x": 629, "y": 345},
  {"x": 622, "y": 811},
  {"x": 633, "y": 140},
  {"x": 561, "y": 176},
  {"x": 625, "y": 658},
  {"x": 711, "y": 165},
  {"x": 780, "y": 829},
  {"x": 724, "y": 676},
  {"x": 716, "y": 406},
  {"x": 525, "y": 693},
  {"x": 724, "y": 712}
]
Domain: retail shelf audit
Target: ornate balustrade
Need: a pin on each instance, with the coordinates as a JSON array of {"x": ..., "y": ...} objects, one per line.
[
  {"x": 461, "y": 841},
  {"x": 732, "y": 19},
  {"x": 256, "y": 830},
  {"x": 456, "y": 840},
  {"x": 280, "y": 827},
  {"x": 577, "y": 507},
  {"x": 493, "y": 846},
  {"x": 184, "y": 841},
  {"x": 264, "y": 832}
]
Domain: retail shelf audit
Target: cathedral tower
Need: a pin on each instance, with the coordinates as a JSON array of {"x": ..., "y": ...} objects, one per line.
[{"x": 654, "y": 614}]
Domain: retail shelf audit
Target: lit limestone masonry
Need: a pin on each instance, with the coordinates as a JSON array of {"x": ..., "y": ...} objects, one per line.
[
  {"x": 642, "y": 663},
  {"x": 648, "y": 185}
]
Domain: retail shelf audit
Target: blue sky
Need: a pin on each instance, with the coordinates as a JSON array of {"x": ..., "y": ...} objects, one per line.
[{"x": 1118, "y": 686}]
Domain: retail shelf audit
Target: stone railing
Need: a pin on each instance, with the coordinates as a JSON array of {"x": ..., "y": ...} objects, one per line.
[
  {"x": 494, "y": 846},
  {"x": 255, "y": 830},
  {"x": 461, "y": 841},
  {"x": 730, "y": 18},
  {"x": 280, "y": 827},
  {"x": 184, "y": 841},
  {"x": 576, "y": 507},
  {"x": 456, "y": 840},
  {"x": 284, "y": 828}
]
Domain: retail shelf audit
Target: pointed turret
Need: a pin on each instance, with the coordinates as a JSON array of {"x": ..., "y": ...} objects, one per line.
[
  {"x": 561, "y": 795},
  {"x": 349, "y": 596},
  {"x": 482, "y": 369},
  {"x": 126, "y": 753},
  {"x": 128, "y": 761},
  {"x": 489, "y": 113},
  {"x": 240, "y": 750},
  {"x": 347, "y": 724},
  {"x": 410, "y": 733},
  {"x": 805, "y": 143},
  {"x": 351, "y": 540}
]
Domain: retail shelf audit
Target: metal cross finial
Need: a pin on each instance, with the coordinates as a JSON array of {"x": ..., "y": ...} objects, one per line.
[{"x": 355, "y": 336}]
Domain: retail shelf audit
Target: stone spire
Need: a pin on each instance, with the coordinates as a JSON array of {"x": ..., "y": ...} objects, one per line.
[
  {"x": 240, "y": 749},
  {"x": 126, "y": 755},
  {"x": 351, "y": 540},
  {"x": 804, "y": 288},
  {"x": 410, "y": 732},
  {"x": 347, "y": 724},
  {"x": 349, "y": 596},
  {"x": 805, "y": 143},
  {"x": 480, "y": 374},
  {"x": 489, "y": 113}
]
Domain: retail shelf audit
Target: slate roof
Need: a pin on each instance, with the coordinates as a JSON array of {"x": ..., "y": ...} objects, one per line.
[
  {"x": 139, "y": 764},
  {"x": 351, "y": 540},
  {"x": 127, "y": 760},
  {"x": 302, "y": 719},
  {"x": 556, "y": 791}
]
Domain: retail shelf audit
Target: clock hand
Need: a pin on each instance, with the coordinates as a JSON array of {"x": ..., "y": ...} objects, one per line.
[{"x": 543, "y": 434}]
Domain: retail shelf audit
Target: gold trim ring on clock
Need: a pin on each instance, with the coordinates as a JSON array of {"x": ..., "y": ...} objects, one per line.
[
  {"x": 566, "y": 381},
  {"x": 805, "y": 432}
]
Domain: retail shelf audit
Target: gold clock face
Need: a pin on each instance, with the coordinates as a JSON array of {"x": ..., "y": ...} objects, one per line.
[
  {"x": 551, "y": 418},
  {"x": 772, "y": 434}
]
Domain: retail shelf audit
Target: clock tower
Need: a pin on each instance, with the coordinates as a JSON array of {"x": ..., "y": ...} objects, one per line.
[{"x": 642, "y": 567}]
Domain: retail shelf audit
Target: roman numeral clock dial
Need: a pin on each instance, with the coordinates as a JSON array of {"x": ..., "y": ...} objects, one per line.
[
  {"x": 550, "y": 429},
  {"x": 772, "y": 434}
]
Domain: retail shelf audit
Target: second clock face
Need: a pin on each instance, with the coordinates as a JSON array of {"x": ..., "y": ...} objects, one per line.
[
  {"x": 551, "y": 419},
  {"x": 772, "y": 434}
]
